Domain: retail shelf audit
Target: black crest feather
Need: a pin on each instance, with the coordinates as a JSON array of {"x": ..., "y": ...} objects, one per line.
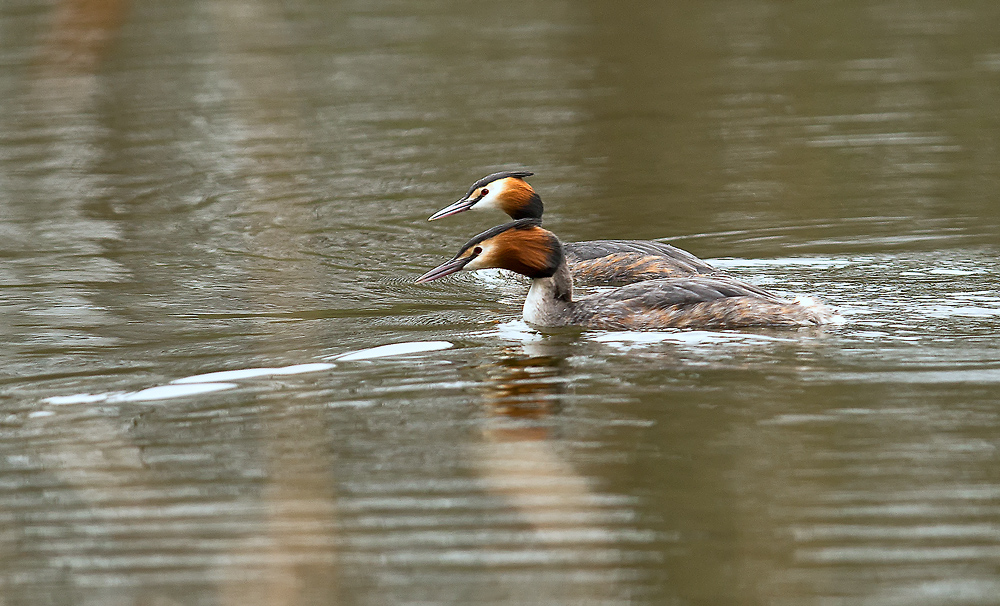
[
  {"x": 499, "y": 229},
  {"x": 517, "y": 174}
]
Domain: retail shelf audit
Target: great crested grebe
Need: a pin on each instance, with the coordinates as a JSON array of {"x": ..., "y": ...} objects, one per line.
[
  {"x": 594, "y": 263},
  {"x": 524, "y": 247}
]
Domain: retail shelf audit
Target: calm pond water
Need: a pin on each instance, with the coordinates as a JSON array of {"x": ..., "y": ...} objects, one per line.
[{"x": 241, "y": 186}]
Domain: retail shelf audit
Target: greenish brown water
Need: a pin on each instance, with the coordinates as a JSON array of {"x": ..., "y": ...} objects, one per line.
[{"x": 197, "y": 187}]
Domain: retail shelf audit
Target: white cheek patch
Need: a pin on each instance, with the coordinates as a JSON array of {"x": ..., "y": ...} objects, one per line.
[{"x": 492, "y": 199}]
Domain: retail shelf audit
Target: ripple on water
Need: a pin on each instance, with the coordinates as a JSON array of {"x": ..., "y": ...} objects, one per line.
[{"x": 693, "y": 338}]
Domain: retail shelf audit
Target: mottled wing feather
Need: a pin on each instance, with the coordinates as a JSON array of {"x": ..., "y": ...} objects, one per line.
[
  {"x": 684, "y": 291},
  {"x": 618, "y": 262},
  {"x": 622, "y": 268},
  {"x": 700, "y": 301},
  {"x": 602, "y": 248}
]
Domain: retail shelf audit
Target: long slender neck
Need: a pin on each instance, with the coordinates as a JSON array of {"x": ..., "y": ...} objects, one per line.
[
  {"x": 529, "y": 207},
  {"x": 550, "y": 299}
]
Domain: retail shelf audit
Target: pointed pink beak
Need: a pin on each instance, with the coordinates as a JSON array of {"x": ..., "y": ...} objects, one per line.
[
  {"x": 445, "y": 269},
  {"x": 453, "y": 209}
]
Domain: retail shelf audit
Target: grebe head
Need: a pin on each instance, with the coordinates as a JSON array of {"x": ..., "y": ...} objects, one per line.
[
  {"x": 521, "y": 246},
  {"x": 506, "y": 191}
]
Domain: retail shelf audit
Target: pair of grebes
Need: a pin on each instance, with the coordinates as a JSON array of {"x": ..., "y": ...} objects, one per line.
[{"x": 658, "y": 285}]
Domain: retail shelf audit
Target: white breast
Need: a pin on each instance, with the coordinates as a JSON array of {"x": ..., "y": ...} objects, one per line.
[
  {"x": 535, "y": 303},
  {"x": 541, "y": 306}
]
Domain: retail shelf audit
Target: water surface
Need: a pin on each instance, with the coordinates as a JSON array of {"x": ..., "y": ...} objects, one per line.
[{"x": 241, "y": 187}]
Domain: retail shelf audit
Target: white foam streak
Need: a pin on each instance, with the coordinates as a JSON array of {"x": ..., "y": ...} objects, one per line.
[
  {"x": 161, "y": 392},
  {"x": 253, "y": 373},
  {"x": 396, "y": 349}
]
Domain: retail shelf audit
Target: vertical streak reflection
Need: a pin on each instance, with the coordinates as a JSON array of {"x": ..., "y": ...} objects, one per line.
[
  {"x": 266, "y": 132},
  {"x": 523, "y": 462}
]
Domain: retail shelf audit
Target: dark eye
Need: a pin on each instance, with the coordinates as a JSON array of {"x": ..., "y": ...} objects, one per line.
[
  {"x": 476, "y": 251},
  {"x": 484, "y": 192}
]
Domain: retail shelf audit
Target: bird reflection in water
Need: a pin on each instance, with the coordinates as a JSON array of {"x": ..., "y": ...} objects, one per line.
[
  {"x": 524, "y": 386},
  {"x": 572, "y": 548}
]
